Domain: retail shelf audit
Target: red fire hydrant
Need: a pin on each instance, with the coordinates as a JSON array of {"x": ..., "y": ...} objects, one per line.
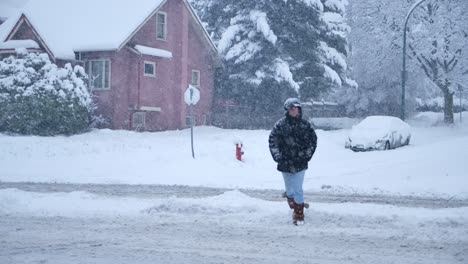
[{"x": 239, "y": 151}]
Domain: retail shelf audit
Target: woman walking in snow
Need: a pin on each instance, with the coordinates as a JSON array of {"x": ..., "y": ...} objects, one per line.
[{"x": 292, "y": 144}]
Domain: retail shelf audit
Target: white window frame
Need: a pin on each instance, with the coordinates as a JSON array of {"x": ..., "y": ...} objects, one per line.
[
  {"x": 154, "y": 68},
  {"x": 199, "y": 78},
  {"x": 165, "y": 25},
  {"x": 90, "y": 81}
]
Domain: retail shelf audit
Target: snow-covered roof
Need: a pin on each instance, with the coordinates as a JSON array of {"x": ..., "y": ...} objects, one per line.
[
  {"x": 310, "y": 103},
  {"x": 13, "y": 44},
  {"x": 66, "y": 27},
  {"x": 153, "y": 51},
  {"x": 8, "y": 25}
]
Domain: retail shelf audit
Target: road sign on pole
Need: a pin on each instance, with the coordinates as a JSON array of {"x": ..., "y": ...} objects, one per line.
[{"x": 191, "y": 97}]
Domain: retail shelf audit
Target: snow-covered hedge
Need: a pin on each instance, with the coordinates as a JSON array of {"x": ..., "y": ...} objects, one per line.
[{"x": 39, "y": 98}]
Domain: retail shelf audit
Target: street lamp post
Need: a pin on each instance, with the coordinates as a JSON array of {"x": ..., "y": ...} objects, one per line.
[
  {"x": 404, "y": 73},
  {"x": 460, "y": 89}
]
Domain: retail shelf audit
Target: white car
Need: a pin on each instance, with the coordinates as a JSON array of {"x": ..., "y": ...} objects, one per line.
[{"x": 379, "y": 133}]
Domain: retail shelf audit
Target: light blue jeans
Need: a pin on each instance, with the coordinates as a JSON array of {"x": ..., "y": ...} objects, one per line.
[{"x": 293, "y": 183}]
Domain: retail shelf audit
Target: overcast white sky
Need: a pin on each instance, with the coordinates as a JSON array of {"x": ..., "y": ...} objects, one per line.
[{"x": 13, "y": 3}]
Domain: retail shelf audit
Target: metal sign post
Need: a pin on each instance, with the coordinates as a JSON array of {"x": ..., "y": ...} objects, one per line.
[
  {"x": 191, "y": 125},
  {"x": 192, "y": 96}
]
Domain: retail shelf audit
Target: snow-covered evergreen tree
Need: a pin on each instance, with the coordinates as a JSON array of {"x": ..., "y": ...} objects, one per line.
[
  {"x": 277, "y": 49},
  {"x": 37, "y": 97},
  {"x": 334, "y": 46}
]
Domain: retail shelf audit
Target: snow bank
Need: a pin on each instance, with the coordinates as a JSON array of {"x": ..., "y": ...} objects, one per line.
[{"x": 232, "y": 203}]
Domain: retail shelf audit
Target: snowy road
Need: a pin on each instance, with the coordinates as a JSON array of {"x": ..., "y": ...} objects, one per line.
[
  {"x": 218, "y": 239},
  {"x": 47, "y": 223}
]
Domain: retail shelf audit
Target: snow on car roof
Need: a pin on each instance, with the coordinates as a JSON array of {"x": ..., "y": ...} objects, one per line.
[{"x": 384, "y": 122}]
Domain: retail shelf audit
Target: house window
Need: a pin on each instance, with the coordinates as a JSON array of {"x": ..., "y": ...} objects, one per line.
[
  {"x": 196, "y": 78},
  {"x": 139, "y": 120},
  {"x": 78, "y": 56},
  {"x": 99, "y": 74},
  {"x": 161, "y": 25},
  {"x": 203, "y": 120},
  {"x": 150, "y": 69}
]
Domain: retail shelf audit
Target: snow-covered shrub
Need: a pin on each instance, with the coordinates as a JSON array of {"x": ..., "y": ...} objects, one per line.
[{"x": 39, "y": 98}]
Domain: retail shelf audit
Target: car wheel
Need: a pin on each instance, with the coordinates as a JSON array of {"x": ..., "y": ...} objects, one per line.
[
  {"x": 387, "y": 145},
  {"x": 407, "y": 141}
]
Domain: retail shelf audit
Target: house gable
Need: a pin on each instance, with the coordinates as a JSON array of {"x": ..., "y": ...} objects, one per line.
[
  {"x": 24, "y": 30},
  {"x": 200, "y": 28},
  {"x": 194, "y": 19},
  {"x": 147, "y": 19}
]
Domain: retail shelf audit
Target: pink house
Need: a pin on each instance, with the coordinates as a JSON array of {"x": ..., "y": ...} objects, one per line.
[{"x": 141, "y": 55}]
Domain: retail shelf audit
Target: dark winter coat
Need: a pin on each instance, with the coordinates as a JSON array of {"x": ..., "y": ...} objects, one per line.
[{"x": 292, "y": 143}]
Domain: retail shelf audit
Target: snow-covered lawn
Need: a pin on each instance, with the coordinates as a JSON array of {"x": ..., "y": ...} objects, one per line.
[{"x": 434, "y": 164}]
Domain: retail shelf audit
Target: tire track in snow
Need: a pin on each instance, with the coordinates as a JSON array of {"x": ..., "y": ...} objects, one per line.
[{"x": 161, "y": 191}]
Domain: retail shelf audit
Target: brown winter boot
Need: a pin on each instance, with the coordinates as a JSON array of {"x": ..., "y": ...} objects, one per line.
[
  {"x": 289, "y": 200},
  {"x": 298, "y": 214},
  {"x": 291, "y": 203}
]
